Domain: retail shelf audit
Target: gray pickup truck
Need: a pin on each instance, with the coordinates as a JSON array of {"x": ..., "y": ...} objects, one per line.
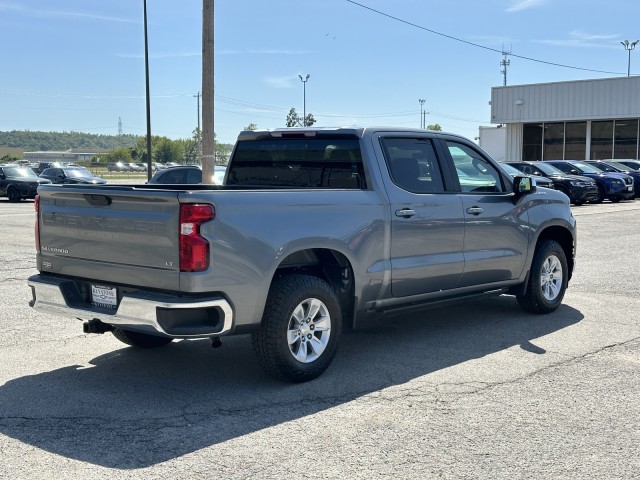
[{"x": 314, "y": 229}]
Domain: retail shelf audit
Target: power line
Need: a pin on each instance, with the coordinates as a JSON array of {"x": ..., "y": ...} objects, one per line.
[{"x": 477, "y": 45}]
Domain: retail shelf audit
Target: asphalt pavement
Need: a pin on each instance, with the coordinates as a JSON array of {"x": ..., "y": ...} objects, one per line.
[{"x": 476, "y": 390}]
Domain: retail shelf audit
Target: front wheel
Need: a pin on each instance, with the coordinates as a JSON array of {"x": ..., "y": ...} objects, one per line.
[
  {"x": 601, "y": 195},
  {"x": 300, "y": 328},
  {"x": 548, "y": 279},
  {"x": 141, "y": 340}
]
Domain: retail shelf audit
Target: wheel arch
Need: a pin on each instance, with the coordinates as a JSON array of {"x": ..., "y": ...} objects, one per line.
[
  {"x": 566, "y": 241},
  {"x": 329, "y": 264}
]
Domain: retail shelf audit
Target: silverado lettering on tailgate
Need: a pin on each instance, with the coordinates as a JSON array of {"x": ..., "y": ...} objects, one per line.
[{"x": 102, "y": 223}]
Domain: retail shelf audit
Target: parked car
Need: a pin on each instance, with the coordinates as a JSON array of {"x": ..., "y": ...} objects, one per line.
[
  {"x": 612, "y": 186},
  {"x": 632, "y": 164},
  {"x": 42, "y": 166},
  {"x": 134, "y": 167},
  {"x": 116, "y": 167},
  {"x": 611, "y": 166},
  {"x": 71, "y": 175},
  {"x": 186, "y": 174},
  {"x": 579, "y": 189},
  {"x": 18, "y": 182},
  {"x": 514, "y": 172}
]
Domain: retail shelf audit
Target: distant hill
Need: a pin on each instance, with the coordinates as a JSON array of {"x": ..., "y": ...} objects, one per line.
[{"x": 29, "y": 141}]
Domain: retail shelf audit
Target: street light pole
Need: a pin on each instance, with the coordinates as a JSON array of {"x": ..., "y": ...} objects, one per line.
[
  {"x": 628, "y": 46},
  {"x": 304, "y": 98},
  {"x": 146, "y": 76},
  {"x": 421, "y": 100}
]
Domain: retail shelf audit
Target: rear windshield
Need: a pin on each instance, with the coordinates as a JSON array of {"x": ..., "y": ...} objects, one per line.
[{"x": 325, "y": 162}]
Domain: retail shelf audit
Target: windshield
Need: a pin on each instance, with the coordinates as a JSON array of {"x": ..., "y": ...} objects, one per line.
[
  {"x": 510, "y": 170},
  {"x": 586, "y": 168},
  {"x": 619, "y": 166},
  {"x": 22, "y": 172},
  {"x": 547, "y": 169},
  {"x": 78, "y": 172}
]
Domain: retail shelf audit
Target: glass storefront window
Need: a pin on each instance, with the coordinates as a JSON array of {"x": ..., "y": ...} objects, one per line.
[
  {"x": 553, "y": 148},
  {"x": 575, "y": 142},
  {"x": 532, "y": 142},
  {"x": 626, "y": 139},
  {"x": 601, "y": 140}
]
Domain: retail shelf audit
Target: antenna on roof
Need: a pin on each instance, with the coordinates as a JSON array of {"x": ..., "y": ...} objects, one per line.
[{"x": 504, "y": 64}]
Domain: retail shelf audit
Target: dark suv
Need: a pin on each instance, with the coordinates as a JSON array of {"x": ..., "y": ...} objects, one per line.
[
  {"x": 612, "y": 166},
  {"x": 613, "y": 186},
  {"x": 579, "y": 189},
  {"x": 18, "y": 182}
]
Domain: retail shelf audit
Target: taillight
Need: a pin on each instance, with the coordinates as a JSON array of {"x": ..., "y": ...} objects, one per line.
[
  {"x": 37, "y": 225},
  {"x": 194, "y": 249}
]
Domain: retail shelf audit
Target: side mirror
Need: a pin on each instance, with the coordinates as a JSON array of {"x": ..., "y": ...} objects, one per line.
[
  {"x": 2, "y": 176},
  {"x": 523, "y": 185}
]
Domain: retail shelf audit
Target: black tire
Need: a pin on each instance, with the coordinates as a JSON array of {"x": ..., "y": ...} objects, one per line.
[
  {"x": 141, "y": 340},
  {"x": 600, "y": 197},
  {"x": 288, "y": 339},
  {"x": 13, "y": 194},
  {"x": 544, "y": 293}
]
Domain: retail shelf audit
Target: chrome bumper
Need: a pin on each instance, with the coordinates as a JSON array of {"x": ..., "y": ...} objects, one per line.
[{"x": 139, "y": 310}]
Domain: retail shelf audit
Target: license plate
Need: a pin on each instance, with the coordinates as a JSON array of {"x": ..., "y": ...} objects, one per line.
[{"x": 106, "y": 297}]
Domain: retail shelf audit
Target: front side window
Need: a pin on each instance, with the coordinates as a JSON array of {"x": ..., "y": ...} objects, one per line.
[
  {"x": 412, "y": 164},
  {"x": 474, "y": 172}
]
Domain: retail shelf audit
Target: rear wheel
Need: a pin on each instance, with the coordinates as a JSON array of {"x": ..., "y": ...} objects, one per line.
[
  {"x": 300, "y": 328},
  {"x": 141, "y": 340},
  {"x": 548, "y": 279},
  {"x": 13, "y": 194}
]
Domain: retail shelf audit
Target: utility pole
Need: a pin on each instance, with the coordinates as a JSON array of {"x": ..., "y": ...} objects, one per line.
[
  {"x": 504, "y": 64},
  {"x": 421, "y": 100},
  {"x": 198, "y": 134},
  {"x": 208, "y": 136}
]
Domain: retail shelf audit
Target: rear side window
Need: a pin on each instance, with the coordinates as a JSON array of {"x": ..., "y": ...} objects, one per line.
[
  {"x": 413, "y": 165},
  {"x": 324, "y": 162}
]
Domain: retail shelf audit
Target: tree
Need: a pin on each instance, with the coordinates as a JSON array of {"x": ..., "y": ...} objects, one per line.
[
  {"x": 294, "y": 120},
  {"x": 120, "y": 154},
  {"x": 251, "y": 127},
  {"x": 166, "y": 150},
  {"x": 435, "y": 127},
  {"x": 8, "y": 158}
]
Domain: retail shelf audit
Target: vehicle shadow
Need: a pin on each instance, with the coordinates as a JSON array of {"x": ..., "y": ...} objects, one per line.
[{"x": 136, "y": 408}]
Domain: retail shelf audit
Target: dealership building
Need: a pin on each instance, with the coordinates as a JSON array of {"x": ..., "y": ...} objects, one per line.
[{"x": 577, "y": 120}]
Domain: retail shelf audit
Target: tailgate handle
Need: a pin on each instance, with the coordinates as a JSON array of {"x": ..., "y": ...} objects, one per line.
[{"x": 98, "y": 200}]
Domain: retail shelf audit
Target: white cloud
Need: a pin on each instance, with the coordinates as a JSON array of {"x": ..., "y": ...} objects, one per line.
[
  {"x": 62, "y": 14},
  {"x": 264, "y": 51},
  {"x": 281, "y": 82},
  {"x": 578, "y": 38},
  {"x": 520, "y": 5},
  {"x": 160, "y": 55}
]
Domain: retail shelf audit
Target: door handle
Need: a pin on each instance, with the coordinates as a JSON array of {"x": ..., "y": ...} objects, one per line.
[
  {"x": 475, "y": 210},
  {"x": 405, "y": 212}
]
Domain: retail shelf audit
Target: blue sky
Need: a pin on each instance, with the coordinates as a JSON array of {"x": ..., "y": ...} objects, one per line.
[{"x": 78, "y": 65}]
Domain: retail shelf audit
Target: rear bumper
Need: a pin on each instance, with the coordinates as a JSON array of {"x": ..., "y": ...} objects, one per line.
[{"x": 138, "y": 310}]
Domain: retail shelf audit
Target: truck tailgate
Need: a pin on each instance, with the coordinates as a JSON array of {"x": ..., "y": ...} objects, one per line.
[{"x": 112, "y": 233}]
